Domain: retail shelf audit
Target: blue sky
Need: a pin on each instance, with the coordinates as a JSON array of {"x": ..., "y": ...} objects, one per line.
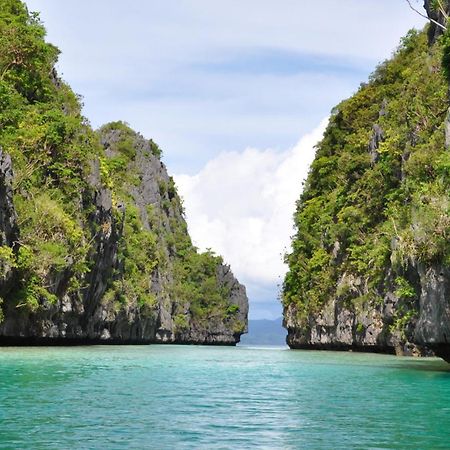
[{"x": 235, "y": 92}]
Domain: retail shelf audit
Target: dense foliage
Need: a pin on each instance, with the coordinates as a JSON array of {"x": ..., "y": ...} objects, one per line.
[
  {"x": 376, "y": 200},
  {"x": 53, "y": 151},
  {"x": 50, "y": 144},
  {"x": 157, "y": 239}
]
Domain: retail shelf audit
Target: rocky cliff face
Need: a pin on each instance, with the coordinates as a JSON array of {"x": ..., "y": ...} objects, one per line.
[
  {"x": 379, "y": 328},
  {"x": 94, "y": 246},
  {"x": 437, "y": 15},
  {"x": 8, "y": 223},
  {"x": 94, "y": 312},
  {"x": 370, "y": 266}
]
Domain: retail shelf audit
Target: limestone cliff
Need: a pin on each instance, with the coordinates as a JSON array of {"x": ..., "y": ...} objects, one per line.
[
  {"x": 94, "y": 246},
  {"x": 370, "y": 266}
]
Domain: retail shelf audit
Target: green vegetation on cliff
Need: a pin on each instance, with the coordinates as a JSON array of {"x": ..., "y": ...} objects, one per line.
[
  {"x": 156, "y": 236},
  {"x": 376, "y": 201},
  {"x": 50, "y": 144},
  {"x": 91, "y": 226}
]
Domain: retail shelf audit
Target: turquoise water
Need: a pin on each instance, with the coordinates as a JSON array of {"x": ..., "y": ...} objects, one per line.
[{"x": 175, "y": 397}]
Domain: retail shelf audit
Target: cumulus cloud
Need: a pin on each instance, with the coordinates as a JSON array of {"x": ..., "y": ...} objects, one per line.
[{"x": 241, "y": 205}]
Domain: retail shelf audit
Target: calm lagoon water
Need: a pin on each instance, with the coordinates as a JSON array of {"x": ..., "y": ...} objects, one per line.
[{"x": 176, "y": 397}]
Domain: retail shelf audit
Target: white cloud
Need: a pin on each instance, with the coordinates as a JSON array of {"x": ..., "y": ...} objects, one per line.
[{"x": 241, "y": 205}]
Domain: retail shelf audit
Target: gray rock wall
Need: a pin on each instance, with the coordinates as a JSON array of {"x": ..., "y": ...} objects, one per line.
[
  {"x": 372, "y": 327},
  {"x": 436, "y": 15},
  {"x": 82, "y": 316}
]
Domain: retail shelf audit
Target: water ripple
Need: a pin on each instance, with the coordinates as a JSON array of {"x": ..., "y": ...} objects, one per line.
[{"x": 218, "y": 398}]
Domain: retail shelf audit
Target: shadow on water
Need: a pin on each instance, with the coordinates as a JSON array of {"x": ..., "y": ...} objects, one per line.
[
  {"x": 425, "y": 364},
  {"x": 344, "y": 358}
]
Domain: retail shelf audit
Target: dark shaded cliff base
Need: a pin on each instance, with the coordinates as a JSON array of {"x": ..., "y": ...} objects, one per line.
[
  {"x": 6, "y": 341},
  {"x": 344, "y": 348},
  {"x": 442, "y": 350}
]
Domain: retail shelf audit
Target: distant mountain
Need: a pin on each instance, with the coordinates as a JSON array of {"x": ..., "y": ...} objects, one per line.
[{"x": 265, "y": 332}]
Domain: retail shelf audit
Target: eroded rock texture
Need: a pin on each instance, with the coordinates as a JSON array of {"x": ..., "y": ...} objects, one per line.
[
  {"x": 369, "y": 269},
  {"x": 84, "y": 314}
]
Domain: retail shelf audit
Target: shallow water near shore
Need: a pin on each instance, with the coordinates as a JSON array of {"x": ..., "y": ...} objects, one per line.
[{"x": 166, "y": 397}]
